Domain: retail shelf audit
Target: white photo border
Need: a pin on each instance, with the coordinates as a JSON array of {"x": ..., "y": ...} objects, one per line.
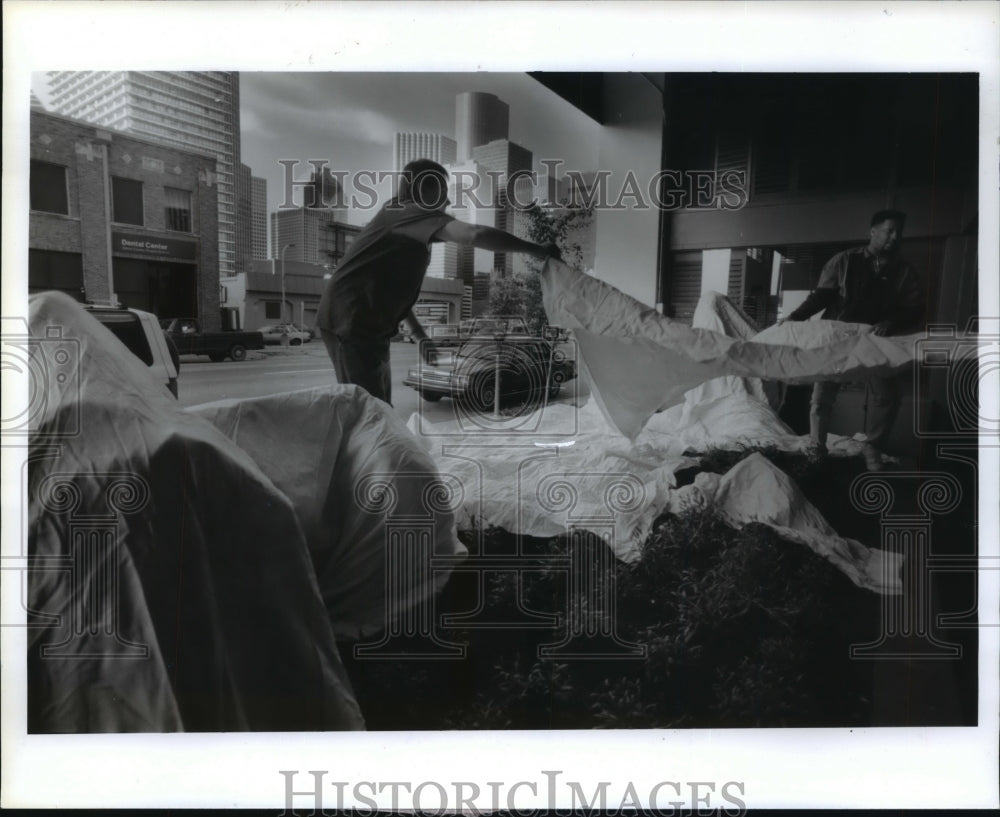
[{"x": 898, "y": 768}]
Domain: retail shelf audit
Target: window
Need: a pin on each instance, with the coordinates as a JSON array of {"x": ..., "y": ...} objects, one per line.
[
  {"x": 272, "y": 310},
  {"x": 178, "y": 213},
  {"x": 48, "y": 188},
  {"x": 126, "y": 201},
  {"x": 48, "y": 269}
]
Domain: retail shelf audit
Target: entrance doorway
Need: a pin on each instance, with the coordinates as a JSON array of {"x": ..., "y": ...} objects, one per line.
[{"x": 168, "y": 290}]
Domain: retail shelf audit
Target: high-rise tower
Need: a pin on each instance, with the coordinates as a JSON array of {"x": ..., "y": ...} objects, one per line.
[
  {"x": 258, "y": 218},
  {"x": 479, "y": 118},
  {"x": 409, "y": 146}
]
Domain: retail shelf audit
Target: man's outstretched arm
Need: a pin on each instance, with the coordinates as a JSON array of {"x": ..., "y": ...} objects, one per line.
[{"x": 492, "y": 239}]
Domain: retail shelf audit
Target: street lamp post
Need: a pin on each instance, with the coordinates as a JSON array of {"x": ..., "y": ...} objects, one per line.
[{"x": 282, "y": 316}]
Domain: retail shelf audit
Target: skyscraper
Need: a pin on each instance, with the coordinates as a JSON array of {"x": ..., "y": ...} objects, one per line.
[
  {"x": 513, "y": 190},
  {"x": 479, "y": 118},
  {"x": 190, "y": 110},
  {"x": 409, "y": 146},
  {"x": 319, "y": 238},
  {"x": 244, "y": 218},
  {"x": 258, "y": 218}
]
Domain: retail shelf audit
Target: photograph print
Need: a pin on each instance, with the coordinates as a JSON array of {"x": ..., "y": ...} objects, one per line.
[{"x": 473, "y": 391}]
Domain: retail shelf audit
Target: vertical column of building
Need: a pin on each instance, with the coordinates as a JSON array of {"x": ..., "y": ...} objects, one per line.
[
  {"x": 244, "y": 220},
  {"x": 258, "y": 218},
  {"x": 93, "y": 184},
  {"x": 207, "y": 204}
]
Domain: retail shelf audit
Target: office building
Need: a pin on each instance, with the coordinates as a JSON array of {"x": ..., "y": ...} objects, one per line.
[
  {"x": 258, "y": 218},
  {"x": 317, "y": 236},
  {"x": 409, "y": 146},
  {"x": 479, "y": 118},
  {"x": 471, "y": 192},
  {"x": 244, "y": 219},
  {"x": 510, "y": 163},
  {"x": 186, "y": 110}
]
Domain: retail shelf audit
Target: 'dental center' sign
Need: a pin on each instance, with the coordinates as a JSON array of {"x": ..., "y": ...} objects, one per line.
[{"x": 152, "y": 246}]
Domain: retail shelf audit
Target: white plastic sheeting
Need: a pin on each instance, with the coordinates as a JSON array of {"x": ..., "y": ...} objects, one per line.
[
  {"x": 609, "y": 465},
  {"x": 755, "y": 490},
  {"x": 173, "y": 579},
  {"x": 639, "y": 362},
  {"x": 360, "y": 485}
]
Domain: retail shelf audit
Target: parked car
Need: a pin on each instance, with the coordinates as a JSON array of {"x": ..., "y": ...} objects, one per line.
[
  {"x": 530, "y": 368},
  {"x": 309, "y": 330},
  {"x": 143, "y": 336},
  {"x": 186, "y": 333},
  {"x": 494, "y": 325},
  {"x": 284, "y": 333},
  {"x": 446, "y": 334}
]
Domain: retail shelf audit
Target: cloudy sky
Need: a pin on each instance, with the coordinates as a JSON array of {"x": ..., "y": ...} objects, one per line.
[{"x": 349, "y": 119}]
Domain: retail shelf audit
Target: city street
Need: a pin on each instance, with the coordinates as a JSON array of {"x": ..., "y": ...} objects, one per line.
[{"x": 282, "y": 370}]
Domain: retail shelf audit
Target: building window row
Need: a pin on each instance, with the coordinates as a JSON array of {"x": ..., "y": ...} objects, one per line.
[
  {"x": 139, "y": 93},
  {"x": 127, "y": 205}
]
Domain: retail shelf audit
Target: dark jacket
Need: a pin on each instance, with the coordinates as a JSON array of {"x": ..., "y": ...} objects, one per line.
[{"x": 858, "y": 288}]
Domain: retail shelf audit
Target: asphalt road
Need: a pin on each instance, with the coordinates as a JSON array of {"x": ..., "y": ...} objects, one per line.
[{"x": 279, "y": 370}]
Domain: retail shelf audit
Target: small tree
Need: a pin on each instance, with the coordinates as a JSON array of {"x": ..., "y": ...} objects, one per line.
[
  {"x": 561, "y": 227},
  {"x": 506, "y": 296},
  {"x": 522, "y": 294}
]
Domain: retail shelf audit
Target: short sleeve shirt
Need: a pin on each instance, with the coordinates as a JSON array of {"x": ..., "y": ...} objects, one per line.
[{"x": 379, "y": 278}]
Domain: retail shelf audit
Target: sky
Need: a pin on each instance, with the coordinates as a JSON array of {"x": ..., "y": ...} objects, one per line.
[{"x": 349, "y": 118}]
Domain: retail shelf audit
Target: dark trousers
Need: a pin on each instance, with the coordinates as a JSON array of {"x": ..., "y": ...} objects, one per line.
[
  {"x": 363, "y": 363},
  {"x": 883, "y": 408}
]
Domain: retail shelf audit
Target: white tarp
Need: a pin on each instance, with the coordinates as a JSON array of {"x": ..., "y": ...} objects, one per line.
[
  {"x": 756, "y": 490},
  {"x": 173, "y": 579},
  {"x": 570, "y": 466},
  {"x": 359, "y": 483},
  {"x": 638, "y": 362}
]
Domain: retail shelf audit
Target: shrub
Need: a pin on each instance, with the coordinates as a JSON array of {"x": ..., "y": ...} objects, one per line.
[{"x": 740, "y": 628}]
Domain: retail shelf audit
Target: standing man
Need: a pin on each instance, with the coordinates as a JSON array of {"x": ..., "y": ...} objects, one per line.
[
  {"x": 378, "y": 281},
  {"x": 873, "y": 285}
]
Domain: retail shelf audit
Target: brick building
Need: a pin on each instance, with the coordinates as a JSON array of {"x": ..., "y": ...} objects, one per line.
[{"x": 115, "y": 216}]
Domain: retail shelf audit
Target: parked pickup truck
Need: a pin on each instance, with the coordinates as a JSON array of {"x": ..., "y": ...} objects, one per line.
[
  {"x": 190, "y": 340},
  {"x": 143, "y": 336}
]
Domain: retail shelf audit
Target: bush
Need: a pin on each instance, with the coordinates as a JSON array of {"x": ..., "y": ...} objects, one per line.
[{"x": 739, "y": 628}]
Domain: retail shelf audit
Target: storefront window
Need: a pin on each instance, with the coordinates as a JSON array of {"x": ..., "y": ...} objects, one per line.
[
  {"x": 48, "y": 188},
  {"x": 178, "y": 212},
  {"x": 63, "y": 271},
  {"x": 272, "y": 310},
  {"x": 126, "y": 201}
]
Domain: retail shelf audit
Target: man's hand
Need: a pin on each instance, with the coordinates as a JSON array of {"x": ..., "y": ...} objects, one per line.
[
  {"x": 552, "y": 251},
  {"x": 882, "y": 328},
  {"x": 429, "y": 351}
]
